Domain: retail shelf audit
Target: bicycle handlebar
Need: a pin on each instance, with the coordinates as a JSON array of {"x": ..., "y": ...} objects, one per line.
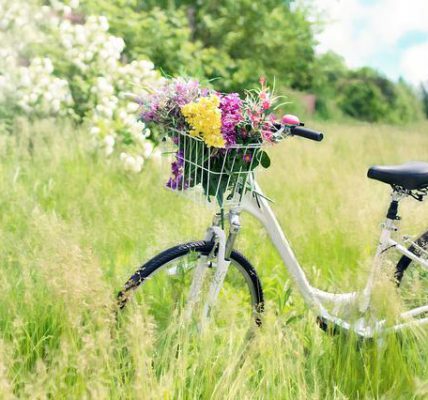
[
  {"x": 299, "y": 130},
  {"x": 306, "y": 133}
]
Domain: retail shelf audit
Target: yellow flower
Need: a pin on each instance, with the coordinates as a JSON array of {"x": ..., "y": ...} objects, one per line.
[{"x": 204, "y": 117}]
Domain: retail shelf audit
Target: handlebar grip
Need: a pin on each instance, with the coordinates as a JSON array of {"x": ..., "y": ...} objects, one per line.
[{"x": 307, "y": 133}]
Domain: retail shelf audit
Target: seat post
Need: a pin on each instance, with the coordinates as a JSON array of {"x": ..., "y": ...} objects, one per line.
[
  {"x": 396, "y": 195},
  {"x": 393, "y": 210}
]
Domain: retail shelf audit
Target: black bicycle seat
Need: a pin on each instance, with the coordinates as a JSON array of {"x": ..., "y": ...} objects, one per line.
[{"x": 411, "y": 175}]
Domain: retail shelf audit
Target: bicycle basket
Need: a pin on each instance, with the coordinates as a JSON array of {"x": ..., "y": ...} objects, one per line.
[{"x": 212, "y": 175}]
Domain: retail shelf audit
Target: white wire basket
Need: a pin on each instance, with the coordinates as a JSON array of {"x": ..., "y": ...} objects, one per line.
[{"x": 210, "y": 175}]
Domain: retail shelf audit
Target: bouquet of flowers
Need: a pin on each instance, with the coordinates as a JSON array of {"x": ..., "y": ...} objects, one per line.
[{"x": 218, "y": 136}]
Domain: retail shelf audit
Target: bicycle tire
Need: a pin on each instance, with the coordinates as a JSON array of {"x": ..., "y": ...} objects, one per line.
[{"x": 203, "y": 248}]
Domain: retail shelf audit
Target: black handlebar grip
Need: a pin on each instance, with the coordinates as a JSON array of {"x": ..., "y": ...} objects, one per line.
[{"x": 307, "y": 133}]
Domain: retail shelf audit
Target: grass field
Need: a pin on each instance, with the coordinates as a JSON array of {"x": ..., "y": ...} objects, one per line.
[{"x": 73, "y": 227}]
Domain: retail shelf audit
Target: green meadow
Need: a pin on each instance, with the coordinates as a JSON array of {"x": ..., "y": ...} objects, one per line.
[{"x": 74, "y": 227}]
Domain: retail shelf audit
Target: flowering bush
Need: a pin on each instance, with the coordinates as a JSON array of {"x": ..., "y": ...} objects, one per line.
[
  {"x": 41, "y": 93},
  {"x": 24, "y": 83},
  {"x": 88, "y": 45},
  {"x": 231, "y": 129},
  {"x": 55, "y": 62},
  {"x": 96, "y": 54}
]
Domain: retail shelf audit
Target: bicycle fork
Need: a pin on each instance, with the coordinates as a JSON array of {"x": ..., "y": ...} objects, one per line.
[{"x": 224, "y": 247}]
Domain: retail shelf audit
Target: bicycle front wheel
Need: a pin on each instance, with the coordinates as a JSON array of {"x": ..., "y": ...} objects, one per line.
[{"x": 164, "y": 282}]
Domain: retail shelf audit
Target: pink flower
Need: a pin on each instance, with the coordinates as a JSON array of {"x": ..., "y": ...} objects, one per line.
[
  {"x": 255, "y": 118},
  {"x": 272, "y": 118},
  {"x": 267, "y": 135},
  {"x": 266, "y": 105}
]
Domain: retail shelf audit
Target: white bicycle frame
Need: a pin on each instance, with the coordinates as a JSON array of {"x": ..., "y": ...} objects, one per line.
[{"x": 257, "y": 205}]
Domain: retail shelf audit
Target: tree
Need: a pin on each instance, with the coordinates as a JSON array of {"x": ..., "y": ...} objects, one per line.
[
  {"x": 232, "y": 41},
  {"x": 328, "y": 73},
  {"x": 369, "y": 96}
]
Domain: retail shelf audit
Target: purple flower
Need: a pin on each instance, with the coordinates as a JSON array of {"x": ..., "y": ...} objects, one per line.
[
  {"x": 231, "y": 116},
  {"x": 247, "y": 157},
  {"x": 177, "y": 181},
  {"x": 185, "y": 92},
  {"x": 165, "y": 103}
]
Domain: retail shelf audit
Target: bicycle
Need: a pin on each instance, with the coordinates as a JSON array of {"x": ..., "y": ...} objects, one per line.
[{"x": 188, "y": 265}]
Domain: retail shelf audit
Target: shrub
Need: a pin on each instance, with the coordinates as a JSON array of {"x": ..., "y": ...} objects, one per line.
[
  {"x": 82, "y": 74},
  {"x": 369, "y": 96}
]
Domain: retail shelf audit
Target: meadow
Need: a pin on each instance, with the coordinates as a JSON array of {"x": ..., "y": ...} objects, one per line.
[{"x": 74, "y": 227}]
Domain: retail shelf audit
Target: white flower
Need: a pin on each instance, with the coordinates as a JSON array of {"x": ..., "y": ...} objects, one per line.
[
  {"x": 123, "y": 115},
  {"x": 109, "y": 140},
  {"x": 25, "y": 79},
  {"x": 95, "y": 130},
  {"x": 74, "y": 4},
  {"x": 156, "y": 156},
  {"x": 129, "y": 163},
  {"x": 56, "y": 105},
  {"x": 103, "y": 22},
  {"x": 103, "y": 86},
  {"x": 139, "y": 162},
  {"x": 132, "y": 107},
  {"x": 66, "y": 10},
  {"x": 147, "y": 149},
  {"x": 33, "y": 98},
  {"x": 48, "y": 65},
  {"x": 132, "y": 164},
  {"x": 89, "y": 55}
]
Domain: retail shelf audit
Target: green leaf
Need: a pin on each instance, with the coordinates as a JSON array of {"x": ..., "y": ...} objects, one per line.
[{"x": 264, "y": 159}]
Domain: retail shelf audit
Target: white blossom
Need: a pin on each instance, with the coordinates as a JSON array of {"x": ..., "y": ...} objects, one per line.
[
  {"x": 96, "y": 53},
  {"x": 38, "y": 91},
  {"x": 131, "y": 163},
  {"x": 156, "y": 156},
  {"x": 147, "y": 148}
]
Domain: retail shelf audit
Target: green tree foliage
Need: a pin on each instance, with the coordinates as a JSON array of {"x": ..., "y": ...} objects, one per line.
[
  {"x": 233, "y": 42},
  {"x": 329, "y": 71},
  {"x": 262, "y": 38},
  {"x": 369, "y": 96}
]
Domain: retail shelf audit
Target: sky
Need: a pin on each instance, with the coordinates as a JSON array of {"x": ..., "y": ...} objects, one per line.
[{"x": 389, "y": 35}]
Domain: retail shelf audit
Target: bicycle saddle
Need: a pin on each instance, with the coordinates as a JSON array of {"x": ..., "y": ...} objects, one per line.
[{"x": 411, "y": 175}]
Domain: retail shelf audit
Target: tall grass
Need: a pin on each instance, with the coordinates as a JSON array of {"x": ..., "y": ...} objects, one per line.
[{"x": 73, "y": 227}]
